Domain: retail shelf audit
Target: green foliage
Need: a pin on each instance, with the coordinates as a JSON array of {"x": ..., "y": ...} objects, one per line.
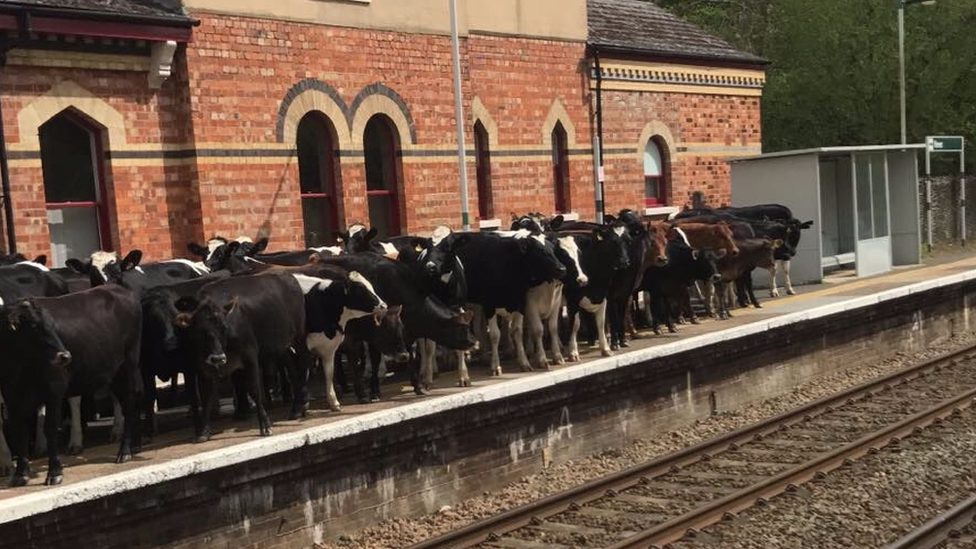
[{"x": 833, "y": 77}]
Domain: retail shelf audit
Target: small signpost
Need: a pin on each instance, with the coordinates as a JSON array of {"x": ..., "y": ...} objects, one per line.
[{"x": 954, "y": 144}]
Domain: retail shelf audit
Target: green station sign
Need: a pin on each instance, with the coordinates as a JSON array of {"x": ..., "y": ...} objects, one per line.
[{"x": 944, "y": 143}]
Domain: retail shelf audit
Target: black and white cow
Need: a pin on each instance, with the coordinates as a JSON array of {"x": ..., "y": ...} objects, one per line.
[
  {"x": 103, "y": 268},
  {"x": 669, "y": 286},
  {"x": 356, "y": 239},
  {"x": 334, "y": 297},
  {"x": 424, "y": 315},
  {"x": 501, "y": 268},
  {"x": 246, "y": 323},
  {"x": 603, "y": 252},
  {"x": 65, "y": 346},
  {"x": 223, "y": 254}
]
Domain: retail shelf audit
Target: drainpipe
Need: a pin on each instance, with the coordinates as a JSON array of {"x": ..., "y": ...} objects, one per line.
[
  {"x": 598, "y": 141},
  {"x": 8, "y": 207}
]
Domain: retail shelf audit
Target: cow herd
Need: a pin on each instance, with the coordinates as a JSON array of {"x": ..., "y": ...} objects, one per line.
[{"x": 261, "y": 323}]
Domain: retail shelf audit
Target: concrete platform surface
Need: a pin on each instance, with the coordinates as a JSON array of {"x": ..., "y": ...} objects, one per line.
[{"x": 172, "y": 455}]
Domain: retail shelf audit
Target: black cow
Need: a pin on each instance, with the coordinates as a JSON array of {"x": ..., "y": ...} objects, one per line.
[
  {"x": 647, "y": 248},
  {"x": 356, "y": 239},
  {"x": 668, "y": 286},
  {"x": 222, "y": 254},
  {"x": 70, "y": 345},
  {"x": 385, "y": 339},
  {"x": 244, "y": 323},
  {"x": 500, "y": 269},
  {"x": 165, "y": 350},
  {"x": 128, "y": 273}
]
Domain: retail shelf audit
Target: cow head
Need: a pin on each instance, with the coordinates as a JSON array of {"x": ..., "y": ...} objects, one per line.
[
  {"x": 207, "y": 324},
  {"x": 222, "y": 254},
  {"x": 37, "y": 334},
  {"x": 26, "y": 279},
  {"x": 569, "y": 254},
  {"x": 356, "y": 238},
  {"x": 360, "y": 298},
  {"x": 534, "y": 222},
  {"x": 434, "y": 320},
  {"x": 391, "y": 337},
  {"x": 114, "y": 272},
  {"x": 158, "y": 315},
  {"x": 724, "y": 238},
  {"x": 657, "y": 237},
  {"x": 612, "y": 242},
  {"x": 539, "y": 257}
]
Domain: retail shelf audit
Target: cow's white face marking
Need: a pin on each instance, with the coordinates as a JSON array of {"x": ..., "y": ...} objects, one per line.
[
  {"x": 684, "y": 236},
  {"x": 568, "y": 244},
  {"x": 309, "y": 283},
  {"x": 197, "y": 267},
  {"x": 139, "y": 270},
  {"x": 355, "y": 229},
  {"x": 440, "y": 233},
  {"x": 244, "y": 240},
  {"x": 620, "y": 230},
  {"x": 212, "y": 246},
  {"x": 330, "y": 250},
  {"x": 37, "y": 266},
  {"x": 541, "y": 238},
  {"x": 389, "y": 250},
  {"x": 250, "y": 259},
  {"x": 1, "y": 302},
  {"x": 355, "y": 276},
  {"x": 422, "y": 255},
  {"x": 99, "y": 260},
  {"x": 517, "y": 235},
  {"x": 446, "y": 277}
]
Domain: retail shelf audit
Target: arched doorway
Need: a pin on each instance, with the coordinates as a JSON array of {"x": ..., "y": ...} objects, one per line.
[
  {"x": 381, "y": 148},
  {"x": 318, "y": 177},
  {"x": 560, "y": 168},
  {"x": 483, "y": 167},
  {"x": 655, "y": 174},
  {"x": 73, "y": 166}
]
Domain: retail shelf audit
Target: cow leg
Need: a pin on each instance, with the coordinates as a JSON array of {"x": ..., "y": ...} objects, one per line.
[
  {"x": 125, "y": 404},
  {"x": 40, "y": 439},
  {"x": 375, "y": 361},
  {"x": 117, "y": 414},
  {"x": 207, "y": 385},
  {"x": 6, "y": 459},
  {"x": 252, "y": 372},
  {"x": 574, "y": 325},
  {"x": 242, "y": 405},
  {"x": 150, "y": 424},
  {"x": 494, "y": 337},
  {"x": 708, "y": 298},
  {"x": 191, "y": 385},
  {"x": 536, "y": 336},
  {"x": 325, "y": 348},
  {"x": 463, "y": 379},
  {"x": 298, "y": 369},
  {"x": 751, "y": 293},
  {"x": 773, "y": 290},
  {"x": 428, "y": 358},
  {"x": 357, "y": 353},
  {"x": 517, "y": 329},
  {"x": 554, "y": 343},
  {"x": 22, "y": 418},
  {"x": 76, "y": 439},
  {"x": 52, "y": 424},
  {"x": 600, "y": 315},
  {"x": 787, "y": 283}
]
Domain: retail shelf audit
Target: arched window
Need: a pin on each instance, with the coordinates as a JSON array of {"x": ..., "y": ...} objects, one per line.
[
  {"x": 382, "y": 151},
  {"x": 560, "y": 168},
  {"x": 483, "y": 166},
  {"x": 655, "y": 174},
  {"x": 73, "y": 164},
  {"x": 318, "y": 178}
]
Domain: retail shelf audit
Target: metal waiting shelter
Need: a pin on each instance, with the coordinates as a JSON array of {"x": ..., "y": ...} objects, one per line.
[{"x": 864, "y": 202}]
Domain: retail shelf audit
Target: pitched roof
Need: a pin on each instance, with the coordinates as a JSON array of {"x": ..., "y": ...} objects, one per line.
[
  {"x": 640, "y": 26},
  {"x": 156, "y": 10}
]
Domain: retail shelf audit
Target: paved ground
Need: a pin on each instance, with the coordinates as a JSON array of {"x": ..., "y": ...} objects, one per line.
[{"x": 98, "y": 461}]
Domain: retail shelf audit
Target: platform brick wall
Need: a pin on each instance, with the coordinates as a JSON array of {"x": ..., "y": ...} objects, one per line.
[{"x": 704, "y": 124}]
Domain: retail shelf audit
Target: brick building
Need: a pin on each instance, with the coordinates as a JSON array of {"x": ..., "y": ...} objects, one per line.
[{"x": 147, "y": 124}]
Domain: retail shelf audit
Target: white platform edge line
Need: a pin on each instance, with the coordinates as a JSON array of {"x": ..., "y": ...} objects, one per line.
[{"x": 35, "y": 503}]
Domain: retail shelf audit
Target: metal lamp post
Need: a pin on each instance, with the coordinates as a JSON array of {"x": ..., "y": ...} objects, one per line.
[
  {"x": 902, "y": 4},
  {"x": 459, "y": 117}
]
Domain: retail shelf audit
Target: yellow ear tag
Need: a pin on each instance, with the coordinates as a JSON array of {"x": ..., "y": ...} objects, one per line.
[
  {"x": 599, "y": 237},
  {"x": 419, "y": 248}
]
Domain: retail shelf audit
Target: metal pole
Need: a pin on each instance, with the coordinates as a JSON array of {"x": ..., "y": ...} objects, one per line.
[
  {"x": 901, "y": 63},
  {"x": 928, "y": 198},
  {"x": 962, "y": 192},
  {"x": 8, "y": 209},
  {"x": 459, "y": 116},
  {"x": 601, "y": 206}
]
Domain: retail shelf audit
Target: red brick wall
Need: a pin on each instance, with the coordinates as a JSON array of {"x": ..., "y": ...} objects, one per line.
[
  {"x": 150, "y": 201},
  {"x": 709, "y": 122}
]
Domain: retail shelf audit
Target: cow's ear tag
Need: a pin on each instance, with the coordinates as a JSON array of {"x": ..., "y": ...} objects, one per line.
[
  {"x": 599, "y": 237},
  {"x": 419, "y": 248},
  {"x": 13, "y": 326}
]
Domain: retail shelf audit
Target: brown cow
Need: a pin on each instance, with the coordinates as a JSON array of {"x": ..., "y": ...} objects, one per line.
[
  {"x": 709, "y": 236},
  {"x": 753, "y": 253}
]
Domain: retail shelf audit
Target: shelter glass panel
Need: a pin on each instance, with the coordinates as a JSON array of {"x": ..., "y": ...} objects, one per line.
[
  {"x": 865, "y": 219},
  {"x": 879, "y": 194}
]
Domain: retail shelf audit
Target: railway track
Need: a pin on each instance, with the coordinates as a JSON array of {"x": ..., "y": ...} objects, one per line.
[
  {"x": 953, "y": 529},
  {"x": 669, "y": 498}
]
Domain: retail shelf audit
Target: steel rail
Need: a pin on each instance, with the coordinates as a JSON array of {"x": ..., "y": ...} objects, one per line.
[
  {"x": 490, "y": 528},
  {"x": 676, "y": 528},
  {"x": 940, "y": 528}
]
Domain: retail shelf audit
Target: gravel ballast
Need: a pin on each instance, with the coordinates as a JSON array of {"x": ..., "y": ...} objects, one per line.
[{"x": 397, "y": 533}]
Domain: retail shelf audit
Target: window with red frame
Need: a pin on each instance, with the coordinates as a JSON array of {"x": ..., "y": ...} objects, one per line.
[
  {"x": 318, "y": 179},
  {"x": 655, "y": 175},
  {"x": 483, "y": 164},
  {"x": 382, "y": 155},
  {"x": 560, "y": 168}
]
